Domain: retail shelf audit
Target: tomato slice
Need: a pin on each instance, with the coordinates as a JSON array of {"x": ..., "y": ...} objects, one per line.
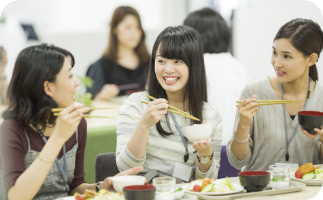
[
  {"x": 197, "y": 188},
  {"x": 80, "y": 198},
  {"x": 298, "y": 174}
]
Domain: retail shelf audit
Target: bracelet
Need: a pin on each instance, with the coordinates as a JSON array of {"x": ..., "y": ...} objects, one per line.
[
  {"x": 236, "y": 139},
  {"x": 45, "y": 160}
]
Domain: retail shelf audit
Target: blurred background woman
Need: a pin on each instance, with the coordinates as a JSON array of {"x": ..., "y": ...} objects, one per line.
[
  {"x": 226, "y": 76},
  {"x": 270, "y": 134},
  {"x": 3, "y": 78},
  {"x": 125, "y": 60}
]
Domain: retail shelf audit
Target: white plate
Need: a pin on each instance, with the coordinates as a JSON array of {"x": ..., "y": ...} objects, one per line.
[
  {"x": 238, "y": 188},
  {"x": 307, "y": 181}
]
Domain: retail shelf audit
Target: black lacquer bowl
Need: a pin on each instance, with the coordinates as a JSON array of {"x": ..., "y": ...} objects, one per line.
[
  {"x": 139, "y": 192},
  {"x": 310, "y": 120},
  {"x": 254, "y": 180}
]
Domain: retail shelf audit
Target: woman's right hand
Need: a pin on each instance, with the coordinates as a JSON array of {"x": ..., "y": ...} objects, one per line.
[
  {"x": 154, "y": 112},
  {"x": 68, "y": 121},
  {"x": 247, "y": 109}
]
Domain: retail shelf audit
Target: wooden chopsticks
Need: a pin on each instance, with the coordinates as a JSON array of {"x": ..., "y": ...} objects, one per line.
[
  {"x": 180, "y": 112},
  {"x": 61, "y": 109},
  {"x": 271, "y": 102},
  {"x": 86, "y": 116},
  {"x": 57, "y": 110}
]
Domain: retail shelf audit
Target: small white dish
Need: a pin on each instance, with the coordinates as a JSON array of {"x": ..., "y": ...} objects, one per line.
[
  {"x": 119, "y": 182},
  {"x": 188, "y": 197},
  {"x": 178, "y": 195},
  {"x": 198, "y": 132}
]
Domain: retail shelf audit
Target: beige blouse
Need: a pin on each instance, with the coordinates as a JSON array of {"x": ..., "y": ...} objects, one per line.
[{"x": 267, "y": 143}]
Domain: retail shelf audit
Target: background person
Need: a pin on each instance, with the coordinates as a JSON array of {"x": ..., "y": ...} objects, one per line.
[
  {"x": 226, "y": 76},
  {"x": 125, "y": 60},
  {"x": 3, "y": 77}
]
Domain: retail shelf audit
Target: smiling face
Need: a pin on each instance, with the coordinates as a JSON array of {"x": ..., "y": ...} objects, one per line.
[
  {"x": 128, "y": 32},
  {"x": 289, "y": 63},
  {"x": 64, "y": 87},
  {"x": 171, "y": 74}
]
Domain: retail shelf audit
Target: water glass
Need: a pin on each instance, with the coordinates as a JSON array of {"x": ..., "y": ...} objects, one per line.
[
  {"x": 279, "y": 177},
  {"x": 165, "y": 187}
]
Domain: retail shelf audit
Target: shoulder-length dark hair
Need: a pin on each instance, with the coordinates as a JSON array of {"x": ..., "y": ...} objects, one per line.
[
  {"x": 212, "y": 28},
  {"x": 28, "y": 102},
  {"x": 306, "y": 36},
  {"x": 181, "y": 43},
  {"x": 112, "y": 50}
]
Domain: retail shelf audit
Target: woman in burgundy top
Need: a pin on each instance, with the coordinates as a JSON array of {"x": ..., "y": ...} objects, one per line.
[{"x": 42, "y": 80}]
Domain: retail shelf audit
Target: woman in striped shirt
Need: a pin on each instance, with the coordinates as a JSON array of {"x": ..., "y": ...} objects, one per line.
[{"x": 146, "y": 134}]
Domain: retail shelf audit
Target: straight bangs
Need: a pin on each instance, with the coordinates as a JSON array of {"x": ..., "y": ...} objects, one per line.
[{"x": 172, "y": 47}]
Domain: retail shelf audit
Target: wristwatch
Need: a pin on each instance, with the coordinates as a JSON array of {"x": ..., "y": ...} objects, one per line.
[
  {"x": 97, "y": 186},
  {"x": 205, "y": 160}
]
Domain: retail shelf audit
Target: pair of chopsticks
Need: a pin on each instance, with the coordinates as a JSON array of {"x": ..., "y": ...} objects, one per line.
[
  {"x": 271, "y": 102},
  {"x": 180, "y": 112},
  {"x": 57, "y": 110}
]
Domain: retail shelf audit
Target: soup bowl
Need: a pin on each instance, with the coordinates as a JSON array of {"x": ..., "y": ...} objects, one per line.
[
  {"x": 198, "y": 132},
  {"x": 119, "y": 182},
  {"x": 254, "y": 180},
  {"x": 310, "y": 120},
  {"x": 139, "y": 192}
]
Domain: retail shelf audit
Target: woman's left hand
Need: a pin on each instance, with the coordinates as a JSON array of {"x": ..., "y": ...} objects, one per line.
[
  {"x": 203, "y": 148},
  {"x": 107, "y": 183},
  {"x": 318, "y": 132}
]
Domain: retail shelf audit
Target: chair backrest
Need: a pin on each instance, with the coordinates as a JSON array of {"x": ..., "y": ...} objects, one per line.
[
  {"x": 105, "y": 166},
  {"x": 226, "y": 170}
]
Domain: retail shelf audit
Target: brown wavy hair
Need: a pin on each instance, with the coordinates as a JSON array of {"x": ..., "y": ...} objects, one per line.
[
  {"x": 111, "y": 52},
  {"x": 306, "y": 36},
  {"x": 181, "y": 43},
  {"x": 28, "y": 102}
]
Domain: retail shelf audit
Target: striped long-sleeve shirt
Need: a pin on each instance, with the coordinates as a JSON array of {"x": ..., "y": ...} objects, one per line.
[{"x": 163, "y": 152}]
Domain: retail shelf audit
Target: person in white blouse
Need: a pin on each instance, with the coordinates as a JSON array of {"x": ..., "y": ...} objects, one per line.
[{"x": 226, "y": 76}]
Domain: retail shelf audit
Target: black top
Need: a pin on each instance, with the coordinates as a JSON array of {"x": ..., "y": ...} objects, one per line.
[
  {"x": 292, "y": 116},
  {"x": 106, "y": 72}
]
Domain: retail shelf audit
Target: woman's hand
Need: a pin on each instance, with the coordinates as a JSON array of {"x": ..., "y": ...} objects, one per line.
[
  {"x": 154, "y": 112},
  {"x": 68, "y": 121},
  {"x": 203, "y": 148},
  {"x": 108, "y": 91},
  {"x": 319, "y": 132},
  {"x": 107, "y": 183},
  {"x": 247, "y": 109}
]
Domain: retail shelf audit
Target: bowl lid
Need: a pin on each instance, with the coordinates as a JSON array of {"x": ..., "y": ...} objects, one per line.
[
  {"x": 254, "y": 173},
  {"x": 139, "y": 187}
]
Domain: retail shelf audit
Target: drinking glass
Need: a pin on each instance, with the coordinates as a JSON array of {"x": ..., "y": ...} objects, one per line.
[
  {"x": 164, "y": 188},
  {"x": 279, "y": 177}
]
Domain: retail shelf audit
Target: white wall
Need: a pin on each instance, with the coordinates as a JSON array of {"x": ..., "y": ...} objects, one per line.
[
  {"x": 255, "y": 25},
  {"x": 81, "y": 26}
]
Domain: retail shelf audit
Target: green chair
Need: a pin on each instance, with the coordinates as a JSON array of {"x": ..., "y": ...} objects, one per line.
[{"x": 99, "y": 140}]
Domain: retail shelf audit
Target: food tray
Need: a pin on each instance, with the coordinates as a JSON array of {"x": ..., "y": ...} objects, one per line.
[{"x": 293, "y": 187}]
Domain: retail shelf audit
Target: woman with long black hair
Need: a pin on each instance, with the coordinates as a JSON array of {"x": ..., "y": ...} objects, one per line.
[
  {"x": 271, "y": 134},
  {"x": 147, "y": 135},
  {"x": 42, "y": 156}
]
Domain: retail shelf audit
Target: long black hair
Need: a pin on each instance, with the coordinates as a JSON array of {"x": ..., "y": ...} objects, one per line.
[
  {"x": 28, "y": 102},
  {"x": 212, "y": 28},
  {"x": 181, "y": 43},
  {"x": 306, "y": 36}
]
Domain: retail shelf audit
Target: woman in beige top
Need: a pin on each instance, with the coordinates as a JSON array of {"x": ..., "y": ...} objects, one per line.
[{"x": 266, "y": 135}]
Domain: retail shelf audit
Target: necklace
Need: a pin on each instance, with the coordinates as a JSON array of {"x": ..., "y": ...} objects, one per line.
[{"x": 296, "y": 96}]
